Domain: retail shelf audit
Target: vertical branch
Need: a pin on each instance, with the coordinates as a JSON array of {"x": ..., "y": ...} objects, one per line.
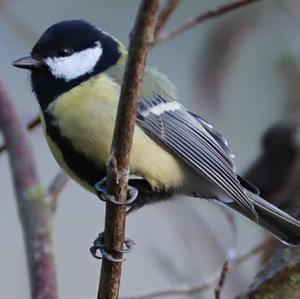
[
  {"x": 118, "y": 169},
  {"x": 34, "y": 213}
]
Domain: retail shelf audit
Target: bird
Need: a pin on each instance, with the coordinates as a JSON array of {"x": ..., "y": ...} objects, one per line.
[
  {"x": 279, "y": 152},
  {"x": 76, "y": 76}
]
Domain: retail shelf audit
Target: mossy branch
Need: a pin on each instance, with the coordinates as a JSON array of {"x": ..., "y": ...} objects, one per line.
[{"x": 34, "y": 211}]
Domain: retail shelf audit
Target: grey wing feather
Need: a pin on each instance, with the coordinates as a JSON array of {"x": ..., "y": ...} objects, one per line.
[
  {"x": 187, "y": 137},
  {"x": 217, "y": 135}
]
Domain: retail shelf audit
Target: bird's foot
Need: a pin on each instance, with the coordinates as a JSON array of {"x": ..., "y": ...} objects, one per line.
[
  {"x": 103, "y": 194},
  {"x": 99, "y": 244},
  {"x": 103, "y": 248}
]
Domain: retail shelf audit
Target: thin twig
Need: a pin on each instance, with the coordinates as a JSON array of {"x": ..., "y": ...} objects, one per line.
[
  {"x": 231, "y": 253},
  {"x": 35, "y": 215},
  {"x": 165, "y": 15},
  {"x": 207, "y": 284},
  {"x": 254, "y": 251},
  {"x": 180, "y": 290},
  {"x": 222, "y": 10},
  {"x": 56, "y": 187},
  {"x": 32, "y": 124},
  {"x": 221, "y": 281},
  {"x": 118, "y": 164}
]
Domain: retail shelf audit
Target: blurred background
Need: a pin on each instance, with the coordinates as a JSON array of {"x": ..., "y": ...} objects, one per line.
[{"x": 240, "y": 72}]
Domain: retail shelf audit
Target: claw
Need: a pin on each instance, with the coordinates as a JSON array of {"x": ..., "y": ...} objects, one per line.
[
  {"x": 130, "y": 245},
  {"x": 98, "y": 244},
  {"x": 105, "y": 196},
  {"x": 102, "y": 247}
]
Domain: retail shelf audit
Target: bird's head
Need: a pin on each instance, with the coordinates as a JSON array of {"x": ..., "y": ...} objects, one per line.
[{"x": 68, "y": 53}]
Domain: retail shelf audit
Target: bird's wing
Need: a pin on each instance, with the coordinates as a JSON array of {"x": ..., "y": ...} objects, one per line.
[
  {"x": 215, "y": 134},
  {"x": 195, "y": 141}
]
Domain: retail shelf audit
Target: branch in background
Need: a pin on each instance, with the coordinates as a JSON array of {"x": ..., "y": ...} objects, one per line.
[
  {"x": 254, "y": 251},
  {"x": 165, "y": 15},
  {"x": 222, "y": 10},
  {"x": 35, "y": 122},
  {"x": 180, "y": 290},
  {"x": 118, "y": 164},
  {"x": 221, "y": 281},
  {"x": 204, "y": 286},
  {"x": 56, "y": 187},
  {"x": 35, "y": 215},
  {"x": 32, "y": 124},
  {"x": 231, "y": 253},
  {"x": 218, "y": 56},
  {"x": 279, "y": 278}
]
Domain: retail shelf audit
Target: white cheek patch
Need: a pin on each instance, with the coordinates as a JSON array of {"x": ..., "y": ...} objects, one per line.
[
  {"x": 165, "y": 107},
  {"x": 75, "y": 65}
]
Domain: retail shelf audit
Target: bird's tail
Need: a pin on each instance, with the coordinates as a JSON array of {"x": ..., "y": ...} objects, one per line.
[{"x": 280, "y": 224}]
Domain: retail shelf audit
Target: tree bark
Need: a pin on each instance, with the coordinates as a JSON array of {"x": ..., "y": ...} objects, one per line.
[
  {"x": 118, "y": 169},
  {"x": 34, "y": 212}
]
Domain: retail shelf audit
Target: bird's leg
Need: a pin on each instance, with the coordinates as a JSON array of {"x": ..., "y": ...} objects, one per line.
[
  {"x": 99, "y": 244},
  {"x": 103, "y": 194},
  {"x": 103, "y": 248}
]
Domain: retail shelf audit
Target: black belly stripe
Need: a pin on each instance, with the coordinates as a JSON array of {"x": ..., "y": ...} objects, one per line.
[
  {"x": 86, "y": 170},
  {"x": 83, "y": 167}
]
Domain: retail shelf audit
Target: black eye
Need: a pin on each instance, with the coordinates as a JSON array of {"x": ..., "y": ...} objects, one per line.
[{"x": 62, "y": 52}]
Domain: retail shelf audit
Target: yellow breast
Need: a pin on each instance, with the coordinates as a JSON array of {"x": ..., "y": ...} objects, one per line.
[{"x": 86, "y": 116}]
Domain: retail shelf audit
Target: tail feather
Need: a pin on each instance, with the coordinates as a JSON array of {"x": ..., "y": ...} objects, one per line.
[{"x": 280, "y": 224}]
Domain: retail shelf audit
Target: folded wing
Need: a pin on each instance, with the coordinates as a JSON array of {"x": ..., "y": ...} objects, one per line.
[{"x": 195, "y": 141}]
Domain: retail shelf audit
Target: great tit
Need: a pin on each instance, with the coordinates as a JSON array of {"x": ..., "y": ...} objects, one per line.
[{"x": 76, "y": 74}]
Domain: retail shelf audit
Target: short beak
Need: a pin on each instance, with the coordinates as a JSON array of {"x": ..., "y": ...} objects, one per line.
[{"x": 28, "y": 62}]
